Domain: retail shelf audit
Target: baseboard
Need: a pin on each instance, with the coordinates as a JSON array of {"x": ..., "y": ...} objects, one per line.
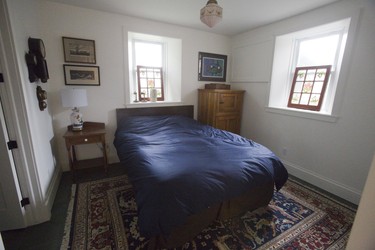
[
  {"x": 52, "y": 189},
  {"x": 341, "y": 190}
]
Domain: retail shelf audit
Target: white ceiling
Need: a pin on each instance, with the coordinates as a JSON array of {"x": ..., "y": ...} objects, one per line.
[{"x": 238, "y": 15}]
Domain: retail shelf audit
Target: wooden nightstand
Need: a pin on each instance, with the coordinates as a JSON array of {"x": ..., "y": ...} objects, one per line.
[{"x": 93, "y": 132}]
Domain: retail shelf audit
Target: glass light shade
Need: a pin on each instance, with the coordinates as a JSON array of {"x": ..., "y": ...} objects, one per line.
[
  {"x": 74, "y": 98},
  {"x": 211, "y": 14}
]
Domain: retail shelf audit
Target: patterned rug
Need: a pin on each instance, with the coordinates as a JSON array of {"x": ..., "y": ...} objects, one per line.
[{"x": 103, "y": 215}]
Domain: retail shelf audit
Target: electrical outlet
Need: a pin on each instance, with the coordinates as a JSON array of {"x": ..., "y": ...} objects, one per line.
[{"x": 285, "y": 151}]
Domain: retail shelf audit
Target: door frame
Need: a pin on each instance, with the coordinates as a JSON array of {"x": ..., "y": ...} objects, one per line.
[{"x": 18, "y": 124}]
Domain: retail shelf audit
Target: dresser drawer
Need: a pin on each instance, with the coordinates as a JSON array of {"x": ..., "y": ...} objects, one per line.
[
  {"x": 230, "y": 123},
  {"x": 85, "y": 139},
  {"x": 229, "y": 103},
  {"x": 221, "y": 108}
]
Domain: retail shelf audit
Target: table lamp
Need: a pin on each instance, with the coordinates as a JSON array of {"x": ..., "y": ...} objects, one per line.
[{"x": 74, "y": 98}]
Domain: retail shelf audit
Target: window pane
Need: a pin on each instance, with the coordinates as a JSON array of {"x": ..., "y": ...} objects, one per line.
[
  {"x": 143, "y": 83},
  {"x": 318, "y": 86},
  {"x": 310, "y": 75},
  {"x": 157, "y": 73},
  {"x": 301, "y": 75},
  {"x": 298, "y": 87},
  {"x": 150, "y": 83},
  {"x": 148, "y": 54},
  {"x": 314, "y": 100},
  {"x": 305, "y": 99},
  {"x": 318, "y": 51},
  {"x": 157, "y": 83},
  {"x": 307, "y": 87},
  {"x": 295, "y": 99},
  {"x": 321, "y": 74}
]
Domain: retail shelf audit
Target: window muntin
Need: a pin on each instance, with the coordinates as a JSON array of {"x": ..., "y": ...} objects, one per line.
[
  {"x": 309, "y": 85},
  {"x": 150, "y": 78}
]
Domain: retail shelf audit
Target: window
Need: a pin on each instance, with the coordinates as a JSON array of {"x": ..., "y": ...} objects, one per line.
[
  {"x": 154, "y": 63},
  {"x": 309, "y": 85},
  {"x": 306, "y": 67},
  {"x": 149, "y": 79}
]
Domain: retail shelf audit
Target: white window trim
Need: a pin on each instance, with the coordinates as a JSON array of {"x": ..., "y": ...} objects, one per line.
[
  {"x": 323, "y": 115},
  {"x": 303, "y": 114},
  {"x": 134, "y": 84},
  {"x": 172, "y": 69}
]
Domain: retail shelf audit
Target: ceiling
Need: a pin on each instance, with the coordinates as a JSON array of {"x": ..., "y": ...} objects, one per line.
[{"x": 238, "y": 15}]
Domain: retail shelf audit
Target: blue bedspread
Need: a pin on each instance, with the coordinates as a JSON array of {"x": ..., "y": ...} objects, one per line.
[{"x": 179, "y": 167}]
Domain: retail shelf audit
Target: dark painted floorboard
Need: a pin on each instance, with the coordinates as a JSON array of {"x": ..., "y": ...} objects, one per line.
[{"x": 48, "y": 235}]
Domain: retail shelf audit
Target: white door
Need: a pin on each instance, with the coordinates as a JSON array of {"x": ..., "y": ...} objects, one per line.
[
  {"x": 1, "y": 243},
  {"x": 11, "y": 211}
]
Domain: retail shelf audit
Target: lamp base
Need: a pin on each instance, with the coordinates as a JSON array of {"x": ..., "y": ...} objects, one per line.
[{"x": 76, "y": 120}]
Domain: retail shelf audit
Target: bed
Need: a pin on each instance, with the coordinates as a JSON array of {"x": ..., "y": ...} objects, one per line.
[{"x": 186, "y": 174}]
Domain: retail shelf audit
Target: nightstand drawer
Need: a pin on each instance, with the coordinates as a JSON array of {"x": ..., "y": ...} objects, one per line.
[{"x": 85, "y": 139}]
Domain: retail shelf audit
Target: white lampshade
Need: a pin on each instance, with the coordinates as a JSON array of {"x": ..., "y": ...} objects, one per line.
[
  {"x": 211, "y": 14},
  {"x": 73, "y": 98}
]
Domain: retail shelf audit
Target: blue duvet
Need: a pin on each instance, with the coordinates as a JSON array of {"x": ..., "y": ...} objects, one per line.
[{"x": 179, "y": 167}]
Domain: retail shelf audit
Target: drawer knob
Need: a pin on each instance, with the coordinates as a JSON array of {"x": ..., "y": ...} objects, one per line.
[{"x": 86, "y": 139}]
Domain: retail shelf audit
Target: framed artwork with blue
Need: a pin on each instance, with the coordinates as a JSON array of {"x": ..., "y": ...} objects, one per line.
[{"x": 212, "y": 67}]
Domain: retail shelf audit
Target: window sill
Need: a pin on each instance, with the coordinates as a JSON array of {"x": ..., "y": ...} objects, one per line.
[{"x": 303, "y": 114}]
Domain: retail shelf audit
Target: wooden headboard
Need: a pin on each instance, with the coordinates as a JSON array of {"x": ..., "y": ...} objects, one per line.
[{"x": 185, "y": 110}]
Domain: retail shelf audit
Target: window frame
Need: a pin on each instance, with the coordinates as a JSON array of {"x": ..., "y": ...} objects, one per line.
[
  {"x": 136, "y": 84},
  {"x": 285, "y": 60},
  {"x": 148, "y": 94},
  {"x": 172, "y": 67},
  {"x": 321, "y": 93}
]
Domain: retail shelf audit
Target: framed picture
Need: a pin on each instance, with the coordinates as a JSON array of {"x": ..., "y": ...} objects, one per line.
[
  {"x": 212, "y": 67},
  {"x": 81, "y": 75},
  {"x": 79, "y": 50}
]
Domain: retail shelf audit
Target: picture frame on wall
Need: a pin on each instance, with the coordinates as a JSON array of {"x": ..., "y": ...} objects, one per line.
[
  {"x": 78, "y": 50},
  {"x": 81, "y": 75},
  {"x": 212, "y": 67}
]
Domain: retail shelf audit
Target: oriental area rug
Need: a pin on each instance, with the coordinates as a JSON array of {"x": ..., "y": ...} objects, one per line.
[{"x": 103, "y": 215}]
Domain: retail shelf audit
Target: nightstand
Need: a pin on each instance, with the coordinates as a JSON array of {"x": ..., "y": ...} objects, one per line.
[{"x": 92, "y": 132}]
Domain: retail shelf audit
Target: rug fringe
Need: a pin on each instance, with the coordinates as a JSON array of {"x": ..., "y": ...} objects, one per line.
[{"x": 68, "y": 221}]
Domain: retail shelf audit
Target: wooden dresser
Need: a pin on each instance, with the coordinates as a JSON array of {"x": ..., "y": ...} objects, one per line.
[{"x": 221, "y": 108}]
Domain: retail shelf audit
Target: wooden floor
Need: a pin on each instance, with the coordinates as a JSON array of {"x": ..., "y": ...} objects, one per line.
[{"x": 48, "y": 235}]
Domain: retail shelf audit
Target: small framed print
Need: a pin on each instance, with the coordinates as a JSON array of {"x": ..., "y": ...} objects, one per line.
[
  {"x": 78, "y": 50},
  {"x": 81, "y": 75},
  {"x": 212, "y": 67}
]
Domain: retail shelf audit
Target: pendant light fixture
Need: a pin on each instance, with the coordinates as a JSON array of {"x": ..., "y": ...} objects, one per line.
[{"x": 211, "y": 14}]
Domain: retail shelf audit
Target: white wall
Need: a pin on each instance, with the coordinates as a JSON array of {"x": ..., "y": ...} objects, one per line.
[
  {"x": 332, "y": 155},
  {"x": 39, "y": 175},
  {"x": 108, "y": 32}
]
